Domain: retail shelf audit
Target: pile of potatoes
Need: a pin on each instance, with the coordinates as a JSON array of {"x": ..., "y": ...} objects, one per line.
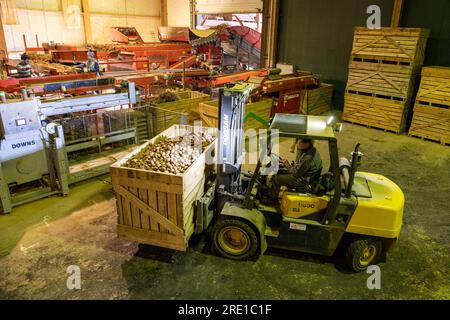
[
  {"x": 171, "y": 155},
  {"x": 45, "y": 61}
]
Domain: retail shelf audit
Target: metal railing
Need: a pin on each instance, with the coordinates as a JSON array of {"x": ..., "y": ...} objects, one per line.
[{"x": 146, "y": 121}]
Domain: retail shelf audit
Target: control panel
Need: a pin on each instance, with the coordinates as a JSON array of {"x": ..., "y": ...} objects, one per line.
[{"x": 18, "y": 117}]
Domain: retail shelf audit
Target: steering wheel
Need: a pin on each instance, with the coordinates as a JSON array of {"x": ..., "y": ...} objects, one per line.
[{"x": 274, "y": 155}]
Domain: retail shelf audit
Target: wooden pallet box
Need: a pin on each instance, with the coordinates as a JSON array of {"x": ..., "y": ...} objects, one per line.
[
  {"x": 386, "y": 114},
  {"x": 158, "y": 208},
  {"x": 382, "y": 79},
  {"x": 208, "y": 113},
  {"x": 257, "y": 114},
  {"x": 431, "y": 122},
  {"x": 404, "y": 45},
  {"x": 317, "y": 101},
  {"x": 431, "y": 118},
  {"x": 434, "y": 86},
  {"x": 169, "y": 113}
]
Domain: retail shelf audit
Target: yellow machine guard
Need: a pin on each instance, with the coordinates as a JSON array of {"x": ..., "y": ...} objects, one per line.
[
  {"x": 382, "y": 214},
  {"x": 294, "y": 205}
]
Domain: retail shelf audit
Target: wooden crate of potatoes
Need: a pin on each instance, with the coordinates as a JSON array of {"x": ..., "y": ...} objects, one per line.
[
  {"x": 257, "y": 114},
  {"x": 387, "y": 114},
  {"x": 404, "y": 45},
  {"x": 317, "y": 101},
  {"x": 431, "y": 118},
  {"x": 157, "y": 184}
]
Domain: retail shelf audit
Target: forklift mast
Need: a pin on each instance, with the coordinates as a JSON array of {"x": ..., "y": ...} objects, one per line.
[{"x": 231, "y": 136}]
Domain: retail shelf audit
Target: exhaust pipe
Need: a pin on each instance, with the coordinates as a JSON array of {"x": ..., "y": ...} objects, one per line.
[{"x": 356, "y": 161}]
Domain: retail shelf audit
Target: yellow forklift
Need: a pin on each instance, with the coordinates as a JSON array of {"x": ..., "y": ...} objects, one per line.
[{"x": 361, "y": 211}]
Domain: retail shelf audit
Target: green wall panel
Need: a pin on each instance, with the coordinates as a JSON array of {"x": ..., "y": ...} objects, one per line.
[
  {"x": 317, "y": 35},
  {"x": 434, "y": 15}
]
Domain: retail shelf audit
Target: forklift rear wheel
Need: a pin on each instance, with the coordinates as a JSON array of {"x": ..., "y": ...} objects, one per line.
[
  {"x": 234, "y": 239},
  {"x": 363, "y": 252}
]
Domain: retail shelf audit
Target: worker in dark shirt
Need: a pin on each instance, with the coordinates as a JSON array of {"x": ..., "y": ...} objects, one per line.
[
  {"x": 91, "y": 64},
  {"x": 24, "y": 68},
  {"x": 302, "y": 174}
]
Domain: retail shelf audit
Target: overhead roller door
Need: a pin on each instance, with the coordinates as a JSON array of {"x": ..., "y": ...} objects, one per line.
[{"x": 228, "y": 6}]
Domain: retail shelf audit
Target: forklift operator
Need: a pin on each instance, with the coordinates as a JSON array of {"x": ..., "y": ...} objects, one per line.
[{"x": 301, "y": 175}]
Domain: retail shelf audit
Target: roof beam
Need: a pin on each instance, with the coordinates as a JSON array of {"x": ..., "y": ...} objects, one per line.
[{"x": 87, "y": 21}]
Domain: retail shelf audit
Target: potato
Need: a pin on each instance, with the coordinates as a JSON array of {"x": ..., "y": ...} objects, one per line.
[{"x": 171, "y": 155}]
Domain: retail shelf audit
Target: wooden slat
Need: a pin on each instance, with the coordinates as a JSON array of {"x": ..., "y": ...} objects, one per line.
[
  {"x": 172, "y": 207},
  {"x": 165, "y": 240},
  {"x": 153, "y": 202},
  {"x": 149, "y": 184},
  {"x": 145, "y": 220},
  {"x": 127, "y": 218},
  {"x": 162, "y": 209},
  {"x": 119, "y": 210},
  {"x": 149, "y": 211},
  {"x": 395, "y": 44},
  {"x": 135, "y": 217},
  {"x": 180, "y": 213}
]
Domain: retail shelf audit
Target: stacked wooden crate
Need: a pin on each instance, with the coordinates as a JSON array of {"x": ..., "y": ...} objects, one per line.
[
  {"x": 431, "y": 119},
  {"x": 317, "y": 101},
  {"x": 138, "y": 117},
  {"x": 208, "y": 113},
  {"x": 257, "y": 114},
  {"x": 157, "y": 208},
  {"x": 169, "y": 113},
  {"x": 383, "y": 68}
]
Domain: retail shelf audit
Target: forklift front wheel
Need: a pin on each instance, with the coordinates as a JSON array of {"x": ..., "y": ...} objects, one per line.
[
  {"x": 363, "y": 252},
  {"x": 234, "y": 239}
]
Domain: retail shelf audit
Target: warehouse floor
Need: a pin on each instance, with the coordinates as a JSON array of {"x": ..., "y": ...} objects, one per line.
[{"x": 39, "y": 241}]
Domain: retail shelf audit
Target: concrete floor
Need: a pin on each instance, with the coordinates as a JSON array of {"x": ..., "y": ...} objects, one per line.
[{"x": 39, "y": 241}]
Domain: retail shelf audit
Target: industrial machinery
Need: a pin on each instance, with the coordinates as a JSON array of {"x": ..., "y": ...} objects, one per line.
[
  {"x": 40, "y": 84},
  {"x": 126, "y": 35},
  {"x": 36, "y": 155},
  {"x": 285, "y": 90},
  {"x": 360, "y": 211},
  {"x": 228, "y": 46}
]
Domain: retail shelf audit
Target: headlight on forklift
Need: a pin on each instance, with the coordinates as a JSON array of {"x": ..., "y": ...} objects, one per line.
[
  {"x": 337, "y": 127},
  {"x": 330, "y": 121}
]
